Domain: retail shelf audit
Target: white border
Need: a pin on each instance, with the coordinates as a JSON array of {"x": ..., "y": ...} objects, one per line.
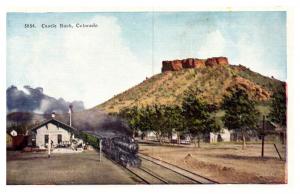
[{"x": 160, "y": 5}]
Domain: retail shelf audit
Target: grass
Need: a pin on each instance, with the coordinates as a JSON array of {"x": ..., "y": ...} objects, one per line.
[{"x": 169, "y": 87}]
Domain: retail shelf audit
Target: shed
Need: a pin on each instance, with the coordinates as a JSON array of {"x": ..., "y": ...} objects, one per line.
[{"x": 222, "y": 136}]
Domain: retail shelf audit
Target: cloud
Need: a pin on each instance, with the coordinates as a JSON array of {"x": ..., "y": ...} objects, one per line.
[
  {"x": 214, "y": 44},
  {"x": 90, "y": 64},
  {"x": 248, "y": 50}
]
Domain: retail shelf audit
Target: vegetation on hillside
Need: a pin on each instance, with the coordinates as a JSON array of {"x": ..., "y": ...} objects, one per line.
[{"x": 212, "y": 84}]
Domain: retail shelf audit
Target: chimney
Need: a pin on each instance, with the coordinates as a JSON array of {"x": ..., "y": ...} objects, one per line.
[
  {"x": 70, "y": 112},
  {"x": 53, "y": 115}
]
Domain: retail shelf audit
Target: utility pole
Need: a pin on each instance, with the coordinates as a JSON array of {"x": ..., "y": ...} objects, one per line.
[
  {"x": 70, "y": 112},
  {"x": 100, "y": 150},
  {"x": 263, "y": 137},
  {"x": 49, "y": 137},
  {"x": 49, "y": 144}
]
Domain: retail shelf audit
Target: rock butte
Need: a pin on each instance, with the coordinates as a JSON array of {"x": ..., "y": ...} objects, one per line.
[{"x": 177, "y": 65}]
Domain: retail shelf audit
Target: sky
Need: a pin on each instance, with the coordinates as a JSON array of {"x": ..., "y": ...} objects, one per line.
[{"x": 94, "y": 64}]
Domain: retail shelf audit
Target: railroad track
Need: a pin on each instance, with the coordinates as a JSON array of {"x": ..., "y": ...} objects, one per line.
[
  {"x": 193, "y": 177},
  {"x": 143, "y": 174},
  {"x": 154, "y": 171},
  {"x": 146, "y": 175}
]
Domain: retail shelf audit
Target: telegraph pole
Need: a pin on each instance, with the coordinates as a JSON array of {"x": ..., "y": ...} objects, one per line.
[
  {"x": 263, "y": 137},
  {"x": 49, "y": 137},
  {"x": 49, "y": 144},
  {"x": 100, "y": 150}
]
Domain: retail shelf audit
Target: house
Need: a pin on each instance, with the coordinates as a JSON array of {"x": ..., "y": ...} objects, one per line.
[
  {"x": 58, "y": 133},
  {"x": 184, "y": 138},
  {"x": 13, "y": 133},
  {"x": 222, "y": 136},
  {"x": 149, "y": 135},
  {"x": 15, "y": 142}
]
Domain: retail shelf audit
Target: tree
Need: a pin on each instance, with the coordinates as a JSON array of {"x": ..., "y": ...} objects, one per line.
[
  {"x": 197, "y": 114},
  {"x": 153, "y": 119},
  {"x": 173, "y": 120},
  {"x": 133, "y": 117},
  {"x": 278, "y": 107},
  {"x": 240, "y": 112}
]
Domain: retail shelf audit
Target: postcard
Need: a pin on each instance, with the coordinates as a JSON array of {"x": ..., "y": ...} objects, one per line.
[{"x": 150, "y": 97}]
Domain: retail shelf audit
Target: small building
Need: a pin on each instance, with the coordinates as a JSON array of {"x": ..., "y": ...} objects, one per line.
[
  {"x": 222, "y": 136},
  {"x": 149, "y": 135},
  {"x": 13, "y": 133},
  {"x": 54, "y": 131},
  {"x": 9, "y": 141},
  {"x": 16, "y": 142},
  {"x": 180, "y": 138}
]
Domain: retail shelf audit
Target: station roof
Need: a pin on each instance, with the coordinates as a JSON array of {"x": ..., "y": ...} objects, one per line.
[{"x": 57, "y": 123}]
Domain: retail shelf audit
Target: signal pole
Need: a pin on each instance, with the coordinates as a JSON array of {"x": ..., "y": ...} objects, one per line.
[{"x": 263, "y": 137}]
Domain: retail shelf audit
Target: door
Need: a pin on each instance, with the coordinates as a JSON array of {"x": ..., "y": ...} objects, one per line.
[
  {"x": 46, "y": 139},
  {"x": 59, "y": 138}
]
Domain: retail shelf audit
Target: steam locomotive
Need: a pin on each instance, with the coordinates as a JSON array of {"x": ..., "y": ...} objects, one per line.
[{"x": 122, "y": 149}]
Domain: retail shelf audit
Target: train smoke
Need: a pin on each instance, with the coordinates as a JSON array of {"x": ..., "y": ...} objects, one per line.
[
  {"x": 34, "y": 100},
  {"x": 98, "y": 122}
]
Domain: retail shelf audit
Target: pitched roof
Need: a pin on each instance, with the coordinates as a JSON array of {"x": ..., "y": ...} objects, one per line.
[{"x": 57, "y": 123}]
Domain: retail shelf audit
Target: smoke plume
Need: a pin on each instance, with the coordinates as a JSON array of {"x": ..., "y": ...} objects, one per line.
[{"x": 34, "y": 100}]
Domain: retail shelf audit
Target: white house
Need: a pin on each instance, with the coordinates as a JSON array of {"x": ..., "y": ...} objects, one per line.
[
  {"x": 13, "y": 133},
  {"x": 222, "y": 136},
  {"x": 54, "y": 131}
]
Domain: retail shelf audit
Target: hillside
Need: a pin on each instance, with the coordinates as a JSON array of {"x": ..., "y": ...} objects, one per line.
[{"x": 212, "y": 77}]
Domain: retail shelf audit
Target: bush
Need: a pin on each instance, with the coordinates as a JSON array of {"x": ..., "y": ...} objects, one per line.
[{"x": 90, "y": 139}]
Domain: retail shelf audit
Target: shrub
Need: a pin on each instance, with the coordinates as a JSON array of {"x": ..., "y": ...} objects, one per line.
[{"x": 90, "y": 139}]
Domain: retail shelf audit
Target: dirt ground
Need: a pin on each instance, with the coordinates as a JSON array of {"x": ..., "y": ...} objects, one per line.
[
  {"x": 225, "y": 163},
  {"x": 78, "y": 168}
]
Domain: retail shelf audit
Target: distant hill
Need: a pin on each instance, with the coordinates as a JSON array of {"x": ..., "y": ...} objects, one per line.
[
  {"x": 34, "y": 100},
  {"x": 211, "y": 76}
]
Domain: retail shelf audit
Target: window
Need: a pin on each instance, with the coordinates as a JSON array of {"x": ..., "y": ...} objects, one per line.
[
  {"x": 59, "y": 138},
  {"x": 46, "y": 139}
]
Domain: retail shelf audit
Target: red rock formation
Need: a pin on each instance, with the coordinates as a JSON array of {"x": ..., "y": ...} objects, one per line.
[
  {"x": 255, "y": 90},
  {"x": 177, "y": 65},
  {"x": 192, "y": 63},
  {"x": 216, "y": 61},
  {"x": 222, "y": 60}
]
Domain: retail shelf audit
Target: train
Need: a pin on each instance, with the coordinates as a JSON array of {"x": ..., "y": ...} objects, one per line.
[{"x": 122, "y": 149}]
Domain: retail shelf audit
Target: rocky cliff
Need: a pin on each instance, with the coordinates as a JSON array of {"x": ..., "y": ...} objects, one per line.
[{"x": 176, "y": 65}]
